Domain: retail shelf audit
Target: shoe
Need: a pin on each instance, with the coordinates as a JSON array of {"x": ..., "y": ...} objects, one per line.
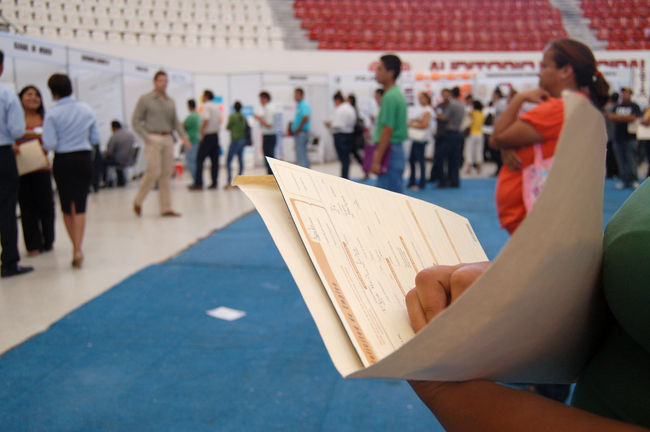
[
  {"x": 33, "y": 253},
  {"x": 195, "y": 188},
  {"x": 77, "y": 259},
  {"x": 18, "y": 270},
  {"x": 47, "y": 248},
  {"x": 619, "y": 186},
  {"x": 227, "y": 186},
  {"x": 137, "y": 209},
  {"x": 414, "y": 187},
  {"x": 170, "y": 213},
  {"x": 635, "y": 185},
  {"x": 214, "y": 186}
]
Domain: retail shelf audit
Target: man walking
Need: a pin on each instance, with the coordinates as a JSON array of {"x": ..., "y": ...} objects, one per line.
[
  {"x": 342, "y": 127},
  {"x": 391, "y": 128},
  {"x": 269, "y": 131},
  {"x": 154, "y": 119},
  {"x": 209, "y": 146},
  {"x": 625, "y": 143},
  {"x": 452, "y": 142},
  {"x": 300, "y": 127},
  {"x": 12, "y": 127}
]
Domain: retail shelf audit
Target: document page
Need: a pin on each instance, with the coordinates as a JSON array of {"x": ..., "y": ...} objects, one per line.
[{"x": 367, "y": 245}]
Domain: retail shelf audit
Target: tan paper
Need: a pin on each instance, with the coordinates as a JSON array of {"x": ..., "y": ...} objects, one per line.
[
  {"x": 31, "y": 157},
  {"x": 532, "y": 317}
]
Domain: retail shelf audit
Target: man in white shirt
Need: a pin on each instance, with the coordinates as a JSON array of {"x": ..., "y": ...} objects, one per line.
[
  {"x": 269, "y": 127},
  {"x": 209, "y": 146},
  {"x": 342, "y": 126}
]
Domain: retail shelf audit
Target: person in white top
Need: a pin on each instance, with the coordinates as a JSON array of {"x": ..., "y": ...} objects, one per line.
[
  {"x": 342, "y": 127},
  {"x": 420, "y": 131},
  {"x": 209, "y": 146},
  {"x": 268, "y": 123}
]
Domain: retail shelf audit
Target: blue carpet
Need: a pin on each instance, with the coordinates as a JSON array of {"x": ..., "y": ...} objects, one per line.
[{"x": 144, "y": 356}]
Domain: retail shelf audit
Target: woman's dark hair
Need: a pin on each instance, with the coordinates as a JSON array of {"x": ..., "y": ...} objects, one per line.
[
  {"x": 352, "y": 100},
  {"x": 60, "y": 85},
  {"x": 40, "y": 110},
  {"x": 581, "y": 59},
  {"x": 237, "y": 106},
  {"x": 478, "y": 105},
  {"x": 427, "y": 97},
  {"x": 338, "y": 96}
]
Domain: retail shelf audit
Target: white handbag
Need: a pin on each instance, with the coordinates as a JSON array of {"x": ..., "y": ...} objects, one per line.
[{"x": 417, "y": 134}]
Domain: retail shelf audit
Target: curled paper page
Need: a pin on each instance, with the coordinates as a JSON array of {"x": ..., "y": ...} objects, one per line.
[{"x": 534, "y": 316}]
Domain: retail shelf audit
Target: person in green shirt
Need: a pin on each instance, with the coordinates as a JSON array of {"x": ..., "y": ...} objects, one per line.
[
  {"x": 613, "y": 389},
  {"x": 391, "y": 127},
  {"x": 192, "y": 125},
  {"x": 237, "y": 126}
]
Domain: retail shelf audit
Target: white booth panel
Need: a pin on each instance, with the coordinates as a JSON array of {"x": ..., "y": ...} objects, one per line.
[{"x": 97, "y": 80}]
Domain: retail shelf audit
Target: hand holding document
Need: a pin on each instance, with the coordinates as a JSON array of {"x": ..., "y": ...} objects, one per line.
[{"x": 354, "y": 251}]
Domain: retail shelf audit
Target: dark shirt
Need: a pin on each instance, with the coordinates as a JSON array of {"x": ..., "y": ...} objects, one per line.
[
  {"x": 621, "y": 127},
  {"x": 454, "y": 113},
  {"x": 120, "y": 145}
]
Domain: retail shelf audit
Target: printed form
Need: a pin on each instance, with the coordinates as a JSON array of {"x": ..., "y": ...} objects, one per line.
[{"x": 367, "y": 245}]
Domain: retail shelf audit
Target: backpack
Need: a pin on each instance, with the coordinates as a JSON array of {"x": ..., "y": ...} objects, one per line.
[
  {"x": 359, "y": 141},
  {"x": 247, "y": 133}
]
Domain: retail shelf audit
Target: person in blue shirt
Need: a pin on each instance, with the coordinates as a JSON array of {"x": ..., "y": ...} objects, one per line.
[
  {"x": 70, "y": 130},
  {"x": 12, "y": 127},
  {"x": 300, "y": 127}
]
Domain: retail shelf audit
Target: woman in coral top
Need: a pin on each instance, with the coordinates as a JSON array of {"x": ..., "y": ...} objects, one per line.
[{"x": 566, "y": 65}]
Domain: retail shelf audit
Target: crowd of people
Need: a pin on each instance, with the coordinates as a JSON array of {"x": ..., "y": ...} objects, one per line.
[
  {"x": 612, "y": 392},
  {"x": 462, "y": 133},
  {"x": 69, "y": 130}
]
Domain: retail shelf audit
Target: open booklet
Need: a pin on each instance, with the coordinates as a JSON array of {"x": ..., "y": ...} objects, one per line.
[{"x": 354, "y": 251}]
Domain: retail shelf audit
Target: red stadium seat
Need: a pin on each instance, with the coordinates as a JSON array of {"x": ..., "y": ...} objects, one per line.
[{"x": 465, "y": 24}]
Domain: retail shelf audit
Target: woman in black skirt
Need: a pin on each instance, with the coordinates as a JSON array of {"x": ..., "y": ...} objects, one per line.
[
  {"x": 35, "y": 188},
  {"x": 70, "y": 129}
]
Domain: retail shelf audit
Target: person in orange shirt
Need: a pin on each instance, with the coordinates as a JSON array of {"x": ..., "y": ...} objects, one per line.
[{"x": 566, "y": 65}]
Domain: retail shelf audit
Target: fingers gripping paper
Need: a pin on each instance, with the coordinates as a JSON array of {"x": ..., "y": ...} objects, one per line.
[{"x": 354, "y": 251}]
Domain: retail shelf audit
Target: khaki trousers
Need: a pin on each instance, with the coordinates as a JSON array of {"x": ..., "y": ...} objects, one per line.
[{"x": 159, "y": 154}]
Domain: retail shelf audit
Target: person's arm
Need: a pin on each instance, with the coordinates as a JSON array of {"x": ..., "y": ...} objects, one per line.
[
  {"x": 487, "y": 406},
  {"x": 422, "y": 122},
  {"x": 180, "y": 130},
  {"x": 645, "y": 121},
  {"x": 49, "y": 137},
  {"x": 512, "y": 132},
  {"x": 382, "y": 147},
  {"x": 15, "y": 118},
  {"x": 482, "y": 405},
  {"x": 137, "y": 118},
  {"x": 302, "y": 123},
  {"x": 625, "y": 118},
  {"x": 262, "y": 120}
]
